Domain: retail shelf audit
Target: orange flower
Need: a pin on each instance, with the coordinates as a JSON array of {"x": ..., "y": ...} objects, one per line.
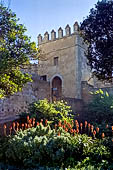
[
  {"x": 17, "y": 124},
  {"x": 76, "y": 121},
  {"x": 65, "y": 122},
  {"x": 29, "y": 121},
  {"x": 94, "y": 132},
  {"x": 59, "y": 124},
  {"x": 77, "y": 125},
  {"x": 10, "y": 127},
  {"x": 97, "y": 129},
  {"x": 77, "y": 131},
  {"x": 81, "y": 124},
  {"x": 41, "y": 120},
  {"x": 27, "y": 118},
  {"x": 71, "y": 130},
  {"x": 5, "y": 126},
  {"x": 85, "y": 123},
  {"x": 37, "y": 123},
  {"x": 28, "y": 126},
  {"x": 89, "y": 125},
  {"x": 92, "y": 128},
  {"x": 66, "y": 129},
  {"x": 46, "y": 121},
  {"x": 25, "y": 125},
  {"x": 22, "y": 124},
  {"x": 103, "y": 135},
  {"x": 74, "y": 131},
  {"x": 13, "y": 124},
  {"x": 58, "y": 133},
  {"x": 112, "y": 128},
  {"x": 107, "y": 126},
  {"x": 72, "y": 122},
  {"x": 64, "y": 126}
]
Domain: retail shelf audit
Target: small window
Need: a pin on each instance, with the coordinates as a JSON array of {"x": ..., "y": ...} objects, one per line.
[
  {"x": 44, "y": 77},
  {"x": 55, "y": 61}
]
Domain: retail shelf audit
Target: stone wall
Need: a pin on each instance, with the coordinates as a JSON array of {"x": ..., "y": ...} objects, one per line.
[
  {"x": 76, "y": 106},
  {"x": 87, "y": 88},
  {"x": 17, "y": 103}
]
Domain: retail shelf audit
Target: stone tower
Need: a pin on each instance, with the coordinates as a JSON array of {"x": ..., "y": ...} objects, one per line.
[{"x": 62, "y": 62}]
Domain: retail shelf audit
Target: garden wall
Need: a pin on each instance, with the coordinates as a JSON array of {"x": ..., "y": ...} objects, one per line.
[
  {"x": 87, "y": 88},
  {"x": 17, "y": 103}
]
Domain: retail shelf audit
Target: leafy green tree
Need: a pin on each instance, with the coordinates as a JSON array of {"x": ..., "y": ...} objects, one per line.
[
  {"x": 16, "y": 50},
  {"x": 97, "y": 31}
]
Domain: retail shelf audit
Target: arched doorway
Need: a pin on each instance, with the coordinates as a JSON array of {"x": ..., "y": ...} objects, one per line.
[{"x": 56, "y": 88}]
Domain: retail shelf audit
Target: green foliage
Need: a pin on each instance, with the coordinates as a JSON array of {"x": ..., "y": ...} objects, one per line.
[
  {"x": 100, "y": 109},
  {"x": 43, "y": 109},
  {"x": 97, "y": 31},
  {"x": 16, "y": 50},
  {"x": 43, "y": 147}
]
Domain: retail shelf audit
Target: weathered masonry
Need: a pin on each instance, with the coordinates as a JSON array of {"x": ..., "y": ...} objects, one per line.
[{"x": 62, "y": 62}]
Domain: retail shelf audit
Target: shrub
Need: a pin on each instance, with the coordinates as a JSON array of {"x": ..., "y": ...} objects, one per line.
[
  {"x": 56, "y": 111},
  {"x": 43, "y": 146},
  {"x": 100, "y": 109}
]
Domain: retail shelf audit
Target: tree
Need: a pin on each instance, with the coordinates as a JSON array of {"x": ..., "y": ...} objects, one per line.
[
  {"x": 16, "y": 50},
  {"x": 97, "y": 31}
]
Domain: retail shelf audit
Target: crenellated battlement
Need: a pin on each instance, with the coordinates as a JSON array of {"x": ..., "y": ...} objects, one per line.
[{"x": 47, "y": 38}]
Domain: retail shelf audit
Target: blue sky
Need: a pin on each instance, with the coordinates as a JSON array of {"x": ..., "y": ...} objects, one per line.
[{"x": 40, "y": 16}]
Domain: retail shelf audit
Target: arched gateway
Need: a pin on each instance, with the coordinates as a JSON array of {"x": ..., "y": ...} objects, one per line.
[{"x": 56, "y": 88}]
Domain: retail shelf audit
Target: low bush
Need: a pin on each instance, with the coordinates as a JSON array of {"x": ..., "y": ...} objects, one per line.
[
  {"x": 45, "y": 147},
  {"x": 43, "y": 109}
]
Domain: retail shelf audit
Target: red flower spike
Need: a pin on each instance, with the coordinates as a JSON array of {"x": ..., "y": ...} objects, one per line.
[
  {"x": 92, "y": 128},
  {"x": 30, "y": 121},
  {"x": 77, "y": 126},
  {"x": 38, "y": 123},
  {"x": 27, "y": 118},
  {"x": 89, "y": 125},
  {"x": 33, "y": 123},
  {"x": 94, "y": 132},
  {"x": 65, "y": 122},
  {"x": 76, "y": 121},
  {"x": 85, "y": 123},
  {"x": 77, "y": 131},
  {"x": 103, "y": 135},
  {"x": 26, "y": 125},
  {"x": 46, "y": 121},
  {"x": 64, "y": 126},
  {"x": 74, "y": 131},
  {"x": 66, "y": 129},
  {"x": 71, "y": 130},
  {"x": 112, "y": 128},
  {"x": 59, "y": 124},
  {"x": 17, "y": 124},
  {"x": 41, "y": 120},
  {"x": 10, "y": 127},
  {"x": 58, "y": 133},
  {"x": 22, "y": 124},
  {"x": 5, "y": 126},
  {"x": 97, "y": 129},
  {"x": 81, "y": 124},
  {"x": 14, "y": 124},
  {"x": 107, "y": 126}
]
